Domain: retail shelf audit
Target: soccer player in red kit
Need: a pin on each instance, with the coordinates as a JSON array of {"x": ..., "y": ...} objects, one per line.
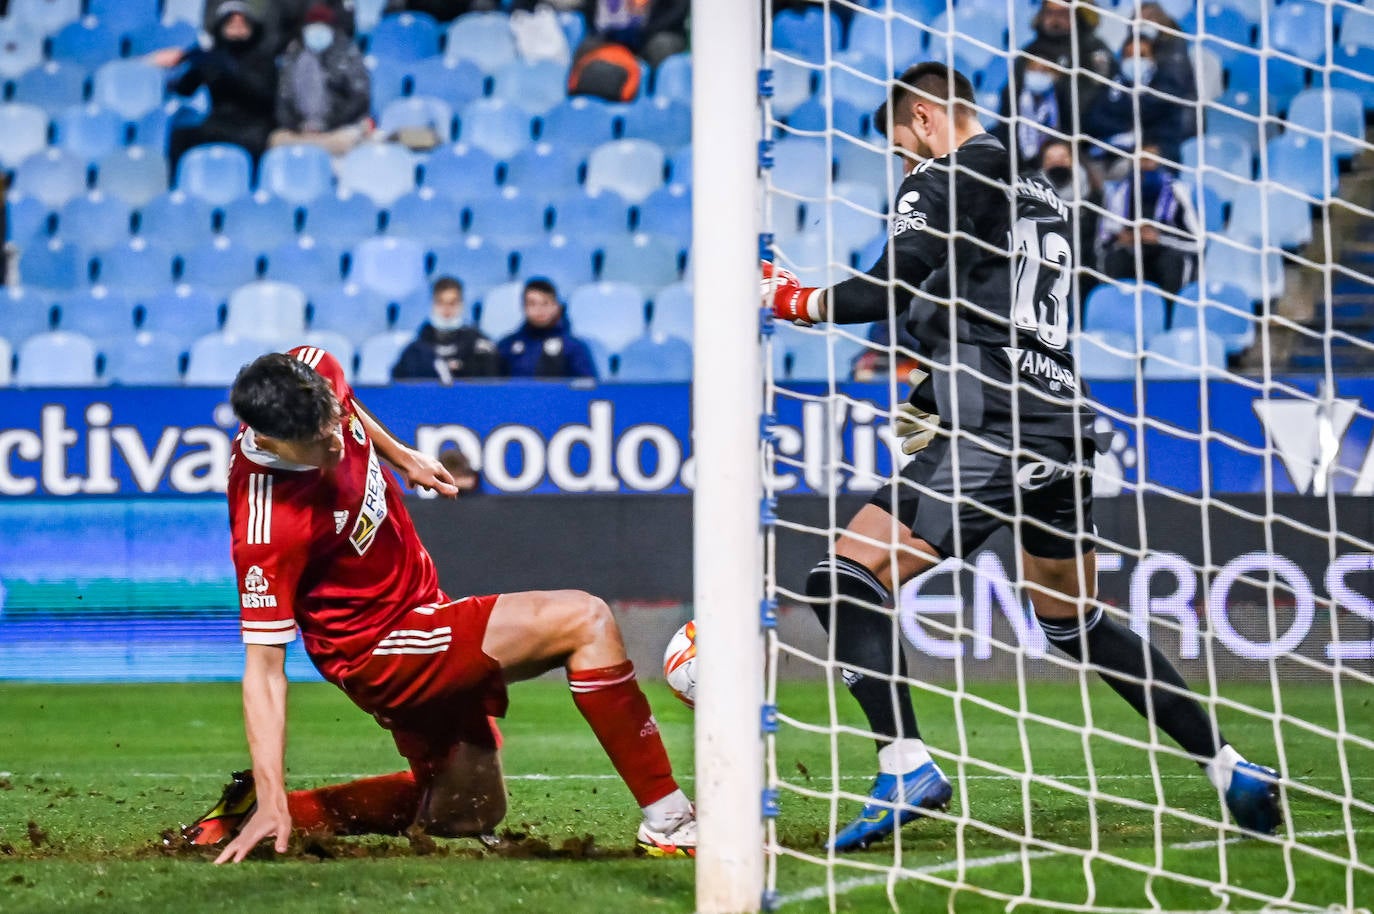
[{"x": 323, "y": 546}]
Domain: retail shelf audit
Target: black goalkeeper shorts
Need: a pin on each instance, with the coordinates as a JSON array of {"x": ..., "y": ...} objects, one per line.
[{"x": 956, "y": 504}]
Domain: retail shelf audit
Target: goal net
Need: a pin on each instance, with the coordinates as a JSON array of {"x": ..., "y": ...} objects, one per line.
[{"x": 1214, "y": 160}]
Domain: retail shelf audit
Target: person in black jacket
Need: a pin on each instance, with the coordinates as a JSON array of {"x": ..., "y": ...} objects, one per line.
[
  {"x": 445, "y": 348},
  {"x": 240, "y": 71},
  {"x": 324, "y": 90},
  {"x": 1066, "y": 37},
  {"x": 1148, "y": 104}
]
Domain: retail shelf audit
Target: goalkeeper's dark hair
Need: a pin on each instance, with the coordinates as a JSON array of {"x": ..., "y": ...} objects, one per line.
[
  {"x": 931, "y": 81},
  {"x": 280, "y": 396}
]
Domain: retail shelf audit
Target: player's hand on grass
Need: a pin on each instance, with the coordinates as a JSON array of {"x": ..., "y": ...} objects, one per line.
[
  {"x": 424, "y": 470},
  {"x": 265, "y": 822},
  {"x": 783, "y": 292},
  {"x": 913, "y": 425}
]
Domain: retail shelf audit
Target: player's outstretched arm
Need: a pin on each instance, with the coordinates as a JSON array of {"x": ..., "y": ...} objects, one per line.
[
  {"x": 264, "y": 720},
  {"x": 416, "y": 469}
]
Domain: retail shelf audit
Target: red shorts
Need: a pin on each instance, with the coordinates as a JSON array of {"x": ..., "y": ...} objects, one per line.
[{"x": 430, "y": 684}]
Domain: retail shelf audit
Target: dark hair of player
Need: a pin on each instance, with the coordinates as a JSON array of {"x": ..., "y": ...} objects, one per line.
[
  {"x": 279, "y": 396},
  {"x": 928, "y": 81},
  {"x": 446, "y": 284},
  {"x": 542, "y": 285}
]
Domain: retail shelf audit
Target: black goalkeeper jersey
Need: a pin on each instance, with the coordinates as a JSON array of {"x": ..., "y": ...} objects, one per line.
[{"x": 983, "y": 266}]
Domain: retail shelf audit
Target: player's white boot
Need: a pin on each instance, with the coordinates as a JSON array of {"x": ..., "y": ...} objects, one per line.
[{"x": 669, "y": 828}]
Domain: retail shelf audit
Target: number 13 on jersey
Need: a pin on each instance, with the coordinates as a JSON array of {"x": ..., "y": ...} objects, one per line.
[{"x": 1043, "y": 275}]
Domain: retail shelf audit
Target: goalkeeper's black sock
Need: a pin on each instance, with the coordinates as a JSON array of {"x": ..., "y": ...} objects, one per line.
[
  {"x": 1115, "y": 649},
  {"x": 864, "y": 639}
]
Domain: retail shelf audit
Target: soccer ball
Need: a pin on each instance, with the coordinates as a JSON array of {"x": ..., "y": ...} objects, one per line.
[{"x": 680, "y": 664}]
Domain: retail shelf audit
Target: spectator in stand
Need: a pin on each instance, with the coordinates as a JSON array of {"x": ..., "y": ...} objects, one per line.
[
  {"x": 652, "y": 29},
  {"x": 1066, "y": 36},
  {"x": 544, "y": 346},
  {"x": 1076, "y": 186},
  {"x": 465, "y": 476},
  {"x": 445, "y": 348},
  {"x": 239, "y": 70},
  {"x": 1151, "y": 230},
  {"x": 1166, "y": 114},
  {"x": 282, "y": 19},
  {"x": 1040, "y": 110},
  {"x": 1171, "y": 48},
  {"x": 323, "y": 88}
]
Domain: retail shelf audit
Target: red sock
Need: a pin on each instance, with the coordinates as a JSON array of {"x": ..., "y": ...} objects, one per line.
[
  {"x": 619, "y": 715},
  {"x": 384, "y": 805}
]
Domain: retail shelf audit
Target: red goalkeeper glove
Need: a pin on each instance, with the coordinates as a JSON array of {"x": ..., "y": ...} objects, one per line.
[{"x": 782, "y": 291}]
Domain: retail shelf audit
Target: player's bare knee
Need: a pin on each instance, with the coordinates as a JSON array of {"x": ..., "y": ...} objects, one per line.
[{"x": 589, "y": 618}]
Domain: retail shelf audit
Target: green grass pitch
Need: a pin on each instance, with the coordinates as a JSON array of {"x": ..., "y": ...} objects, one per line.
[{"x": 95, "y": 773}]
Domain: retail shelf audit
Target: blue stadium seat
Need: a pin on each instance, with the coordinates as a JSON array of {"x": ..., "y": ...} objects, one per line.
[
  {"x": 813, "y": 258},
  {"x": 810, "y": 356},
  {"x": 1228, "y": 32},
  {"x": 483, "y": 38},
  {"x": 44, "y": 16},
  {"x": 1357, "y": 28},
  {"x": 502, "y": 310},
  {"x": 137, "y": 269},
  {"x": 410, "y": 312},
  {"x": 343, "y": 220},
  {"x": 671, "y": 311},
  {"x": 135, "y": 174},
  {"x": 1351, "y": 66},
  {"x": 591, "y": 215},
  {"x": 455, "y": 81},
  {"x": 418, "y": 111},
  {"x": 1303, "y": 165},
  {"x": 655, "y": 357},
  {"x": 673, "y": 78},
  {"x": 536, "y": 87},
  {"x": 1299, "y": 29},
  {"x": 460, "y": 171},
  {"x": 578, "y": 123},
  {"x": 97, "y": 313},
  {"x": 217, "y": 357},
  {"x": 175, "y": 215},
  {"x": 545, "y": 165},
  {"x": 1286, "y": 224},
  {"x": 611, "y": 312},
  {"x": 871, "y": 32},
  {"x": 300, "y": 174},
  {"x": 680, "y": 166},
  {"x": 366, "y": 13},
  {"x": 27, "y": 217},
  {"x": 1106, "y": 355},
  {"x": 123, "y": 16},
  {"x": 24, "y": 314},
  {"x": 96, "y": 221},
  {"x": 57, "y": 359},
  {"x": 337, "y": 345},
  {"x": 382, "y": 171},
  {"x": 631, "y": 168},
  {"x": 1184, "y": 354},
  {"x": 1344, "y": 125},
  {"x": 219, "y": 264},
  {"x": 565, "y": 261},
  {"x": 426, "y": 217},
  {"x": 802, "y": 33},
  {"x": 259, "y": 222},
  {"x": 1121, "y": 307},
  {"x": 216, "y": 173},
  {"x": 395, "y": 267},
  {"x": 1224, "y": 310},
  {"x": 6, "y": 362},
  {"x": 350, "y": 310},
  {"x": 391, "y": 79},
  {"x": 801, "y": 166},
  {"x": 306, "y": 261},
  {"x": 858, "y": 79},
  {"x": 266, "y": 310},
  {"x": 1283, "y": 78},
  {"x": 792, "y": 84},
  {"x": 667, "y": 211},
  {"x": 663, "y": 121},
  {"x": 143, "y": 359},
  {"x": 498, "y": 127},
  {"x": 976, "y": 41},
  {"x": 85, "y": 44},
  {"x": 52, "y": 86},
  {"x": 1236, "y": 114},
  {"x": 1259, "y": 275},
  {"x": 181, "y": 312},
  {"x": 511, "y": 218},
  {"x": 649, "y": 262},
  {"x": 21, "y": 49},
  {"x": 53, "y": 265},
  {"x": 160, "y": 35},
  {"x": 1224, "y": 153},
  {"x": 23, "y": 133},
  {"x": 377, "y": 356},
  {"x": 52, "y": 176},
  {"x": 841, "y": 116},
  {"x": 130, "y": 88},
  {"x": 88, "y": 131},
  {"x": 405, "y": 36},
  {"x": 478, "y": 264},
  {"x": 1211, "y": 209}
]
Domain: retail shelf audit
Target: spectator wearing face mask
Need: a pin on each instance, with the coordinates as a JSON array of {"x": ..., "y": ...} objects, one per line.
[
  {"x": 1151, "y": 231},
  {"x": 446, "y": 348},
  {"x": 1146, "y": 105},
  {"x": 1074, "y": 184},
  {"x": 323, "y": 89},
  {"x": 1066, "y": 37},
  {"x": 1035, "y": 108},
  {"x": 1171, "y": 49}
]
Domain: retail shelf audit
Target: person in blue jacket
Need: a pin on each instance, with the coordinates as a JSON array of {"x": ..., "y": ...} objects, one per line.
[{"x": 544, "y": 346}]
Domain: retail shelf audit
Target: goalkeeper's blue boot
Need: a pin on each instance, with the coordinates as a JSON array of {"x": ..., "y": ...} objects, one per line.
[
  {"x": 894, "y": 799},
  {"x": 1253, "y": 798}
]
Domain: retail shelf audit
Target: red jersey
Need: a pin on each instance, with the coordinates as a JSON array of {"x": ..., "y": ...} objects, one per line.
[{"x": 333, "y": 553}]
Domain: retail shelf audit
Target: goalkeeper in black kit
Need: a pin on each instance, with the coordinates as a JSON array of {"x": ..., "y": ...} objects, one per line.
[{"x": 980, "y": 268}]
